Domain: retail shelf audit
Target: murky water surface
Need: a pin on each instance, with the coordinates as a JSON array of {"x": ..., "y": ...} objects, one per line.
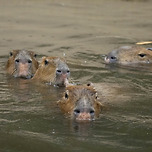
[{"x": 80, "y": 31}]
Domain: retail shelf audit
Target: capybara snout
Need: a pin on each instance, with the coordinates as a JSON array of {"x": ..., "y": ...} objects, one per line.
[
  {"x": 84, "y": 109},
  {"x": 62, "y": 73}
]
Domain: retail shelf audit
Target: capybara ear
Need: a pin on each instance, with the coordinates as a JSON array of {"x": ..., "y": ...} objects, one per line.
[
  {"x": 96, "y": 95},
  {"x": 11, "y": 53},
  {"x": 90, "y": 84},
  {"x": 100, "y": 105},
  {"x": 35, "y": 55},
  {"x": 66, "y": 94},
  {"x": 46, "y": 62},
  {"x": 42, "y": 61},
  {"x": 56, "y": 60},
  {"x": 43, "y": 57},
  {"x": 149, "y": 49}
]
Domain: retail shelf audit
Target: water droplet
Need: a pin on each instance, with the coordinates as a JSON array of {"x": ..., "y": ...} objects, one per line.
[{"x": 64, "y": 54}]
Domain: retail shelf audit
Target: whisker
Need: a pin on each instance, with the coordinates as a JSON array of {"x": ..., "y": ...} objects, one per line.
[{"x": 14, "y": 71}]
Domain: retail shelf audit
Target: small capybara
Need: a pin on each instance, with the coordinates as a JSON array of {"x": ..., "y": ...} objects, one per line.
[
  {"x": 130, "y": 55},
  {"x": 53, "y": 70},
  {"x": 22, "y": 63},
  {"x": 80, "y": 102}
]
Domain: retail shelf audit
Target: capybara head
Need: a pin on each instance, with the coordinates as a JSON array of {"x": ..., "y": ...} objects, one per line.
[
  {"x": 53, "y": 70},
  {"x": 80, "y": 102},
  {"x": 128, "y": 55},
  {"x": 22, "y": 63}
]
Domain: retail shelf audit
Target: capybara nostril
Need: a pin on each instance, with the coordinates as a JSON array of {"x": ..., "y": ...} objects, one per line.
[
  {"x": 84, "y": 116},
  {"x": 68, "y": 71},
  {"x": 76, "y": 111},
  {"x": 29, "y": 61},
  {"x": 59, "y": 71},
  {"x": 17, "y": 60},
  {"x": 92, "y": 112},
  {"x": 113, "y": 58}
]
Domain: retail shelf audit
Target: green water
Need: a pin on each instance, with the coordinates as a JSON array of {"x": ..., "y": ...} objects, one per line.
[{"x": 81, "y": 31}]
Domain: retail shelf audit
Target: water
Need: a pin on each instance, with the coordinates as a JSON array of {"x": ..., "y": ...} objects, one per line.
[{"x": 80, "y": 31}]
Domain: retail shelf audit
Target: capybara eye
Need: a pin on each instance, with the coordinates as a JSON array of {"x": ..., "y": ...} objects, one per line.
[
  {"x": 149, "y": 49},
  {"x": 142, "y": 55},
  {"x": 58, "y": 71},
  {"x": 66, "y": 95},
  {"x": 29, "y": 61},
  {"x": 35, "y": 55},
  {"x": 46, "y": 62},
  {"x": 17, "y": 60},
  {"x": 11, "y": 54}
]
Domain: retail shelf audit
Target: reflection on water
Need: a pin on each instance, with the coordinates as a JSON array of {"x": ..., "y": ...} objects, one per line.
[{"x": 80, "y": 31}]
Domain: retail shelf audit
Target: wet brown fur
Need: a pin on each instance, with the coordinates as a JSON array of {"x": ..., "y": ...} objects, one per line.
[
  {"x": 47, "y": 73},
  {"x": 132, "y": 55},
  {"x": 67, "y": 105}
]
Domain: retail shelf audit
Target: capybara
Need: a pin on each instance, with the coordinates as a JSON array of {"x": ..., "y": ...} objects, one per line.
[
  {"x": 22, "y": 63},
  {"x": 130, "y": 55},
  {"x": 53, "y": 70},
  {"x": 80, "y": 102}
]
